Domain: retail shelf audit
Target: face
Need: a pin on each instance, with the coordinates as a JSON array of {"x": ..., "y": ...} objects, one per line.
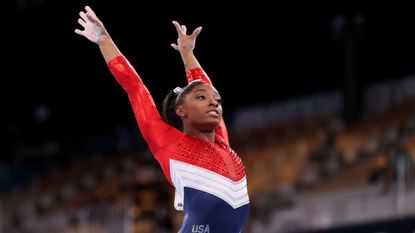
[{"x": 202, "y": 107}]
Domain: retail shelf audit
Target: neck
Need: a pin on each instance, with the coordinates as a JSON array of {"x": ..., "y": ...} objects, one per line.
[{"x": 208, "y": 136}]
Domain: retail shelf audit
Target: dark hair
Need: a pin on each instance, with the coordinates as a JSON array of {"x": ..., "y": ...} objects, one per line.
[{"x": 172, "y": 100}]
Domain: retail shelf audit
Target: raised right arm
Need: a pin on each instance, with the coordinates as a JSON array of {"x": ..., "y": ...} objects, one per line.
[{"x": 152, "y": 127}]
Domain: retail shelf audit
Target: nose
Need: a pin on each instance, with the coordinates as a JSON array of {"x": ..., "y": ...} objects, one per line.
[{"x": 213, "y": 102}]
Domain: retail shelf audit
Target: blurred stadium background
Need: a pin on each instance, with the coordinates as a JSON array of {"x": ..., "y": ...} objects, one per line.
[{"x": 319, "y": 102}]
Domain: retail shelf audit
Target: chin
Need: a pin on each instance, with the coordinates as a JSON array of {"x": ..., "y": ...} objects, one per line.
[{"x": 214, "y": 123}]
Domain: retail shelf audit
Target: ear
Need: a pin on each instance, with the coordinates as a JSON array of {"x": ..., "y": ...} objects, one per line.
[{"x": 180, "y": 112}]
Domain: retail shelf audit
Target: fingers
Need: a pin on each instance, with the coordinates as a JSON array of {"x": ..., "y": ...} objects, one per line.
[
  {"x": 83, "y": 16},
  {"x": 175, "y": 46},
  {"x": 89, "y": 15},
  {"x": 90, "y": 11},
  {"x": 182, "y": 29},
  {"x": 81, "y": 22},
  {"x": 196, "y": 32},
  {"x": 179, "y": 29},
  {"x": 79, "y": 32}
]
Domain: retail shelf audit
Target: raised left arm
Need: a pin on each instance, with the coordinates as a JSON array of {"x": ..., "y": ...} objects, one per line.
[{"x": 194, "y": 71}]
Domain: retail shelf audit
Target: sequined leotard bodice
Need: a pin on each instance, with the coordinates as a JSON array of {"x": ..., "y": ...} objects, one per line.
[{"x": 209, "y": 177}]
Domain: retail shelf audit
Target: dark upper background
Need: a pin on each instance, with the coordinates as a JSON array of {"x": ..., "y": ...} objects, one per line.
[{"x": 254, "y": 52}]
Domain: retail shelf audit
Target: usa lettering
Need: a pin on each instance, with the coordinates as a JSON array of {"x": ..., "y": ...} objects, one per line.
[{"x": 200, "y": 229}]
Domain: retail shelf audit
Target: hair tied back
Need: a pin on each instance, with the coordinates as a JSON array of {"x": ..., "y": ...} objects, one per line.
[{"x": 178, "y": 90}]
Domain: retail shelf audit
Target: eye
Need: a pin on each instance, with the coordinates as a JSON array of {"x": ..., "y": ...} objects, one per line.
[
  {"x": 220, "y": 101},
  {"x": 200, "y": 97}
]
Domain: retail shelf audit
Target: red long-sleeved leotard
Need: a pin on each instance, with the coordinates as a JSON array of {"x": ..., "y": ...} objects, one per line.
[{"x": 209, "y": 177}]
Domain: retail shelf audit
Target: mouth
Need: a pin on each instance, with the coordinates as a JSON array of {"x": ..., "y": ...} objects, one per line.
[{"x": 214, "y": 113}]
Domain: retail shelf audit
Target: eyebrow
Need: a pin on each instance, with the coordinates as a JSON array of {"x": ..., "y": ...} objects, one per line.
[
  {"x": 204, "y": 90},
  {"x": 199, "y": 90}
]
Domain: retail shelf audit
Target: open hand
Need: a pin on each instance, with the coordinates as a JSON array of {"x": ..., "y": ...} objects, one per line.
[
  {"x": 184, "y": 41},
  {"x": 94, "y": 30}
]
